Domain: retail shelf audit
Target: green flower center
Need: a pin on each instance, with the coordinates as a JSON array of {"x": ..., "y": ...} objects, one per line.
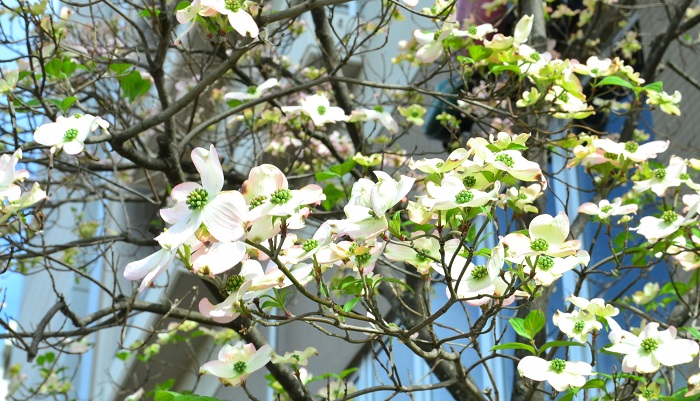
[
  {"x": 545, "y": 262},
  {"x": 631, "y": 146},
  {"x": 469, "y": 181},
  {"x": 649, "y": 345},
  {"x": 505, "y": 159},
  {"x": 606, "y": 208},
  {"x": 660, "y": 173},
  {"x": 309, "y": 244},
  {"x": 415, "y": 114},
  {"x": 669, "y": 216},
  {"x": 378, "y": 108},
  {"x": 439, "y": 164},
  {"x": 594, "y": 70},
  {"x": 472, "y": 30},
  {"x": 557, "y": 365},
  {"x": 464, "y": 196},
  {"x": 197, "y": 199},
  {"x": 70, "y": 135},
  {"x": 647, "y": 393},
  {"x": 239, "y": 367},
  {"x": 539, "y": 245},
  {"x": 321, "y": 110},
  {"x": 233, "y": 5},
  {"x": 479, "y": 272},
  {"x": 684, "y": 176},
  {"x": 234, "y": 283},
  {"x": 564, "y": 97},
  {"x": 611, "y": 156},
  {"x": 252, "y": 90},
  {"x": 363, "y": 258},
  {"x": 535, "y": 56},
  {"x": 522, "y": 196},
  {"x": 578, "y": 326},
  {"x": 257, "y": 201},
  {"x": 423, "y": 255},
  {"x": 281, "y": 196}
]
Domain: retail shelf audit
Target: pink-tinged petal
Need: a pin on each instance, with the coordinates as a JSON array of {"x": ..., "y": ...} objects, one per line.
[
  {"x": 222, "y": 219},
  {"x": 207, "y": 309},
  {"x": 552, "y": 229},
  {"x": 180, "y": 191},
  {"x": 152, "y": 275},
  {"x": 188, "y": 13},
  {"x": 589, "y": 208},
  {"x": 268, "y": 84},
  {"x": 209, "y": 168},
  {"x": 140, "y": 268},
  {"x": 252, "y": 269},
  {"x": 219, "y": 369},
  {"x": 676, "y": 352},
  {"x": 73, "y": 147},
  {"x": 181, "y": 231},
  {"x": 261, "y": 358},
  {"x": 176, "y": 213},
  {"x": 263, "y": 229},
  {"x": 534, "y": 368},
  {"x": 629, "y": 363},
  {"x": 650, "y": 149},
  {"x": 310, "y": 194},
  {"x": 423, "y": 37},
  {"x": 518, "y": 247},
  {"x": 263, "y": 180},
  {"x": 220, "y": 257},
  {"x": 218, "y": 5},
  {"x": 243, "y": 23}
]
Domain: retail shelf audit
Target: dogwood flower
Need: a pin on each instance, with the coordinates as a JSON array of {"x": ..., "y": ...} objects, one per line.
[
  {"x": 298, "y": 358},
  {"x": 651, "y": 349},
  {"x": 549, "y": 269},
  {"x": 576, "y": 324},
  {"x": 604, "y": 209},
  {"x": 222, "y": 212},
  {"x": 451, "y": 193},
  {"x": 319, "y": 109},
  {"x": 632, "y": 150},
  {"x": 664, "y": 178},
  {"x": 647, "y": 294},
  {"x": 417, "y": 252},
  {"x": 667, "y": 103},
  {"x": 236, "y": 363},
  {"x": 28, "y": 198},
  {"x": 596, "y": 306},
  {"x": 436, "y": 165},
  {"x": 656, "y": 228},
  {"x": 560, "y": 374},
  {"x": 189, "y": 15},
  {"x": 69, "y": 133},
  {"x": 688, "y": 259},
  {"x": 595, "y": 67},
  {"x": 547, "y": 237},
  {"x": 510, "y": 161},
  {"x": 479, "y": 283},
  {"x": 376, "y": 114},
  {"x": 150, "y": 267},
  {"x": 240, "y": 20},
  {"x": 253, "y": 92},
  {"x": 369, "y": 203},
  {"x": 522, "y": 198},
  {"x": 228, "y": 310},
  {"x": 9, "y": 176}
]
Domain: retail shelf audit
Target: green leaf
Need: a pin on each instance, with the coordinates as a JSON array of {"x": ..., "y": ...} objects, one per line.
[
  {"x": 120, "y": 68},
  {"x": 559, "y": 344},
  {"x": 595, "y": 383},
  {"x": 479, "y": 53},
  {"x": 657, "y": 86},
  {"x": 342, "y": 169},
  {"x": 325, "y": 175},
  {"x": 518, "y": 325},
  {"x": 333, "y": 194},
  {"x": 526, "y": 347},
  {"x": 496, "y": 69},
  {"x": 569, "y": 396},
  {"x": 351, "y": 304},
  {"x": 133, "y": 85},
  {"x": 615, "y": 81},
  {"x": 534, "y": 323},
  {"x": 67, "y": 103},
  {"x": 395, "y": 225},
  {"x": 397, "y": 282},
  {"x": 147, "y": 13},
  {"x": 123, "y": 355},
  {"x": 164, "y": 396},
  {"x": 692, "y": 330}
]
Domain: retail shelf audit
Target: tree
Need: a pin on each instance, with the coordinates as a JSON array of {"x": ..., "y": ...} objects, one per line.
[{"x": 231, "y": 135}]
